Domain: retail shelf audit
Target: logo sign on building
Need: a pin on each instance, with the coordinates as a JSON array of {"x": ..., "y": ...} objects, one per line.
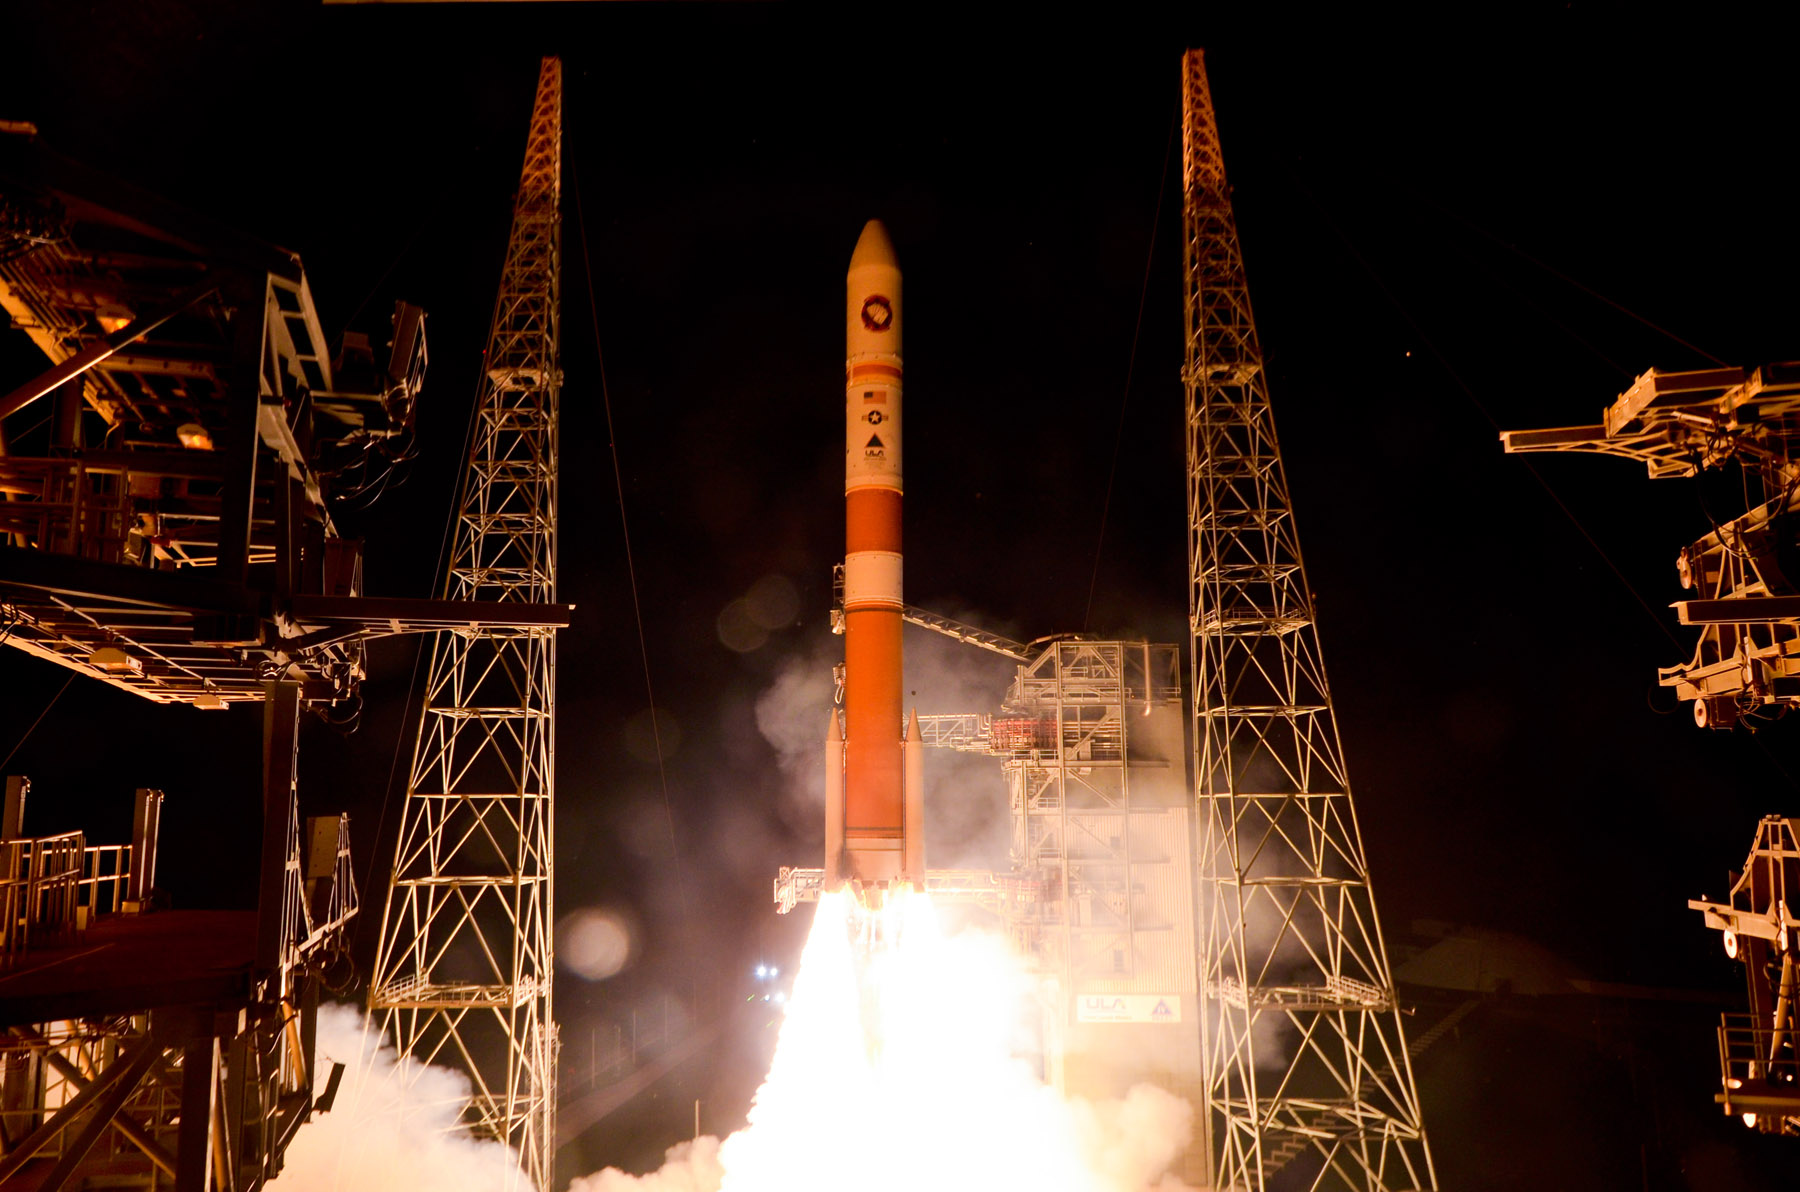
[{"x": 1128, "y": 1007}]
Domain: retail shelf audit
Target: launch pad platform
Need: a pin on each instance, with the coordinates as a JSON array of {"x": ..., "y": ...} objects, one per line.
[{"x": 794, "y": 886}]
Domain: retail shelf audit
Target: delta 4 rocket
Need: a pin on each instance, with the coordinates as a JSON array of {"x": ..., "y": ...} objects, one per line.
[{"x": 874, "y": 768}]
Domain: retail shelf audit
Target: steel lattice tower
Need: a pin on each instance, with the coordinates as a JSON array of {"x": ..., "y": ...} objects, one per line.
[
  {"x": 1305, "y": 1065},
  {"x": 464, "y": 967}
]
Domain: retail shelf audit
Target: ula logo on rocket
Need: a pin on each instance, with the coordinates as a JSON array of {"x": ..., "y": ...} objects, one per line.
[{"x": 877, "y": 313}]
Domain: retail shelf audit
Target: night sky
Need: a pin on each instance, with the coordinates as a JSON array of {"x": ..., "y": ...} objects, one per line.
[{"x": 1450, "y": 229}]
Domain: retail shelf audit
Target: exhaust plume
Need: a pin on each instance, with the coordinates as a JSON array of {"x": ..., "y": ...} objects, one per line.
[{"x": 907, "y": 1061}]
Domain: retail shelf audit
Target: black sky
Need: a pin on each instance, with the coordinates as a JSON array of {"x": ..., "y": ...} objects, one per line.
[{"x": 1418, "y": 200}]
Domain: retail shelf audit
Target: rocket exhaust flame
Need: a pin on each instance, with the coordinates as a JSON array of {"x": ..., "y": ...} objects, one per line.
[{"x": 905, "y": 1064}]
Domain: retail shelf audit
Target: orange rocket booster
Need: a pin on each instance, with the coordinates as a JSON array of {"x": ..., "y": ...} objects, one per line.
[{"x": 874, "y": 777}]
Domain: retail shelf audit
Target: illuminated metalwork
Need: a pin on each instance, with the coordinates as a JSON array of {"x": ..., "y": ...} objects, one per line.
[
  {"x": 969, "y": 635},
  {"x": 1747, "y": 661},
  {"x": 174, "y": 1048},
  {"x": 1305, "y": 1065},
  {"x": 1090, "y": 744},
  {"x": 167, "y": 529},
  {"x": 795, "y": 885},
  {"x": 191, "y": 423},
  {"x": 1759, "y": 1064},
  {"x": 463, "y": 972},
  {"x": 966, "y": 732},
  {"x": 1098, "y": 893}
]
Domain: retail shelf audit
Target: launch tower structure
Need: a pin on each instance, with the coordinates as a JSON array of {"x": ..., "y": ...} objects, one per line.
[
  {"x": 1101, "y": 829},
  {"x": 1304, "y": 1061},
  {"x": 1099, "y": 895},
  {"x": 464, "y": 966}
]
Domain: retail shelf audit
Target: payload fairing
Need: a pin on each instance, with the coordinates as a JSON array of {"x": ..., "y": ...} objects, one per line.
[{"x": 874, "y": 779}]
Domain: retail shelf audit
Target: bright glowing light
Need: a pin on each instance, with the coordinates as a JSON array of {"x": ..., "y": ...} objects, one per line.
[
  {"x": 762, "y": 970},
  {"x": 901, "y": 1065},
  {"x": 194, "y": 436},
  {"x": 595, "y": 943},
  {"x": 774, "y": 972}
]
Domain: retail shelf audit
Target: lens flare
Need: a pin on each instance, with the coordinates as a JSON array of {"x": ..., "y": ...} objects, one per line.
[{"x": 902, "y": 1064}]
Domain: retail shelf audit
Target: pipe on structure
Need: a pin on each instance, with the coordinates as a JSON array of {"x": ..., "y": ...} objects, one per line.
[
  {"x": 12, "y": 809},
  {"x": 879, "y": 837},
  {"x": 834, "y": 799},
  {"x": 146, "y": 828}
]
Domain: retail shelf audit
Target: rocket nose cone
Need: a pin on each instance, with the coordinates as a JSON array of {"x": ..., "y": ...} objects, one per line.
[{"x": 873, "y": 247}]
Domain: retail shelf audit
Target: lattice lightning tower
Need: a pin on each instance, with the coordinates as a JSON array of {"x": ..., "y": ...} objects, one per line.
[
  {"x": 464, "y": 967},
  {"x": 1305, "y": 1065}
]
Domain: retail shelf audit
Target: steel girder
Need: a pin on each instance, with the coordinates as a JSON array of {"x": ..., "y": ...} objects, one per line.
[
  {"x": 464, "y": 968},
  {"x": 1306, "y": 1070}
]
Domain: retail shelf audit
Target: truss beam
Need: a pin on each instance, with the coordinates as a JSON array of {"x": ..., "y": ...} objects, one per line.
[
  {"x": 1305, "y": 1067},
  {"x": 463, "y": 971}
]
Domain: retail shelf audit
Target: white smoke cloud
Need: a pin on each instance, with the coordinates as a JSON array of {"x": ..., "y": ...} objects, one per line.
[
  {"x": 792, "y": 715},
  {"x": 687, "y": 1167},
  {"x": 394, "y": 1125},
  {"x": 966, "y": 818},
  {"x": 967, "y": 822},
  {"x": 1131, "y": 1141}
]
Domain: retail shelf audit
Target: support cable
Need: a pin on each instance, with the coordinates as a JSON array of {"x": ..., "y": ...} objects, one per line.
[
  {"x": 637, "y": 606},
  {"x": 418, "y": 230},
  {"x": 412, "y": 683},
  {"x": 1560, "y": 275},
  {"x": 40, "y": 719},
  {"x": 1501, "y": 282},
  {"x": 1469, "y": 392},
  {"x": 1112, "y": 472}
]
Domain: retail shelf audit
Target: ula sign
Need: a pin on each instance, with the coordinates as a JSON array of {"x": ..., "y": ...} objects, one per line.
[{"x": 1128, "y": 1007}]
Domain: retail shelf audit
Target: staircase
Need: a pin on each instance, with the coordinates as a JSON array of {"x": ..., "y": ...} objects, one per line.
[{"x": 1319, "y": 1127}]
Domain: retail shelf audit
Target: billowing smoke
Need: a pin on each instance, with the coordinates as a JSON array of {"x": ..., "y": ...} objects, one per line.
[
  {"x": 792, "y": 716},
  {"x": 904, "y": 1064},
  {"x": 394, "y": 1123},
  {"x": 687, "y": 1167},
  {"x": 965, "y": 798}
]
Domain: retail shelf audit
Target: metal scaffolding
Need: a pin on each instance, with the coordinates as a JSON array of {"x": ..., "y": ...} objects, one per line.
[
  {"x": 464, "y": 968},
  {"x": 167, "y": 528},
  {"x": 1100, "y": 823},
  {"x": 1305, "y": 1065},
  {"x": 1746, "y": 665},
  {"x": 1759, "y": 1067},
  {"x": 1099, "y": 896}
]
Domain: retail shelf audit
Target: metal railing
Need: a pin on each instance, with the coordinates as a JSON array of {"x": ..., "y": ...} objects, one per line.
[
  {"x": 1757, "y": 1064},
  {"x": 105, "y": 872},
  {"x": 794, "y": 885},
  {"x": 40, "y": 882},
  {"x": 51, "y": 886}
]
